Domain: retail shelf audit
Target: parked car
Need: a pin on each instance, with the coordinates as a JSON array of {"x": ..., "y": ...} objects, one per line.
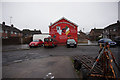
[
  {"x": 117, "y": 40},
  {"x": 50, "y": 42},
  {"x": 107, "y": 40},
  {"x": 71, "y": 43},
  {"x": 36, "y": 43}
]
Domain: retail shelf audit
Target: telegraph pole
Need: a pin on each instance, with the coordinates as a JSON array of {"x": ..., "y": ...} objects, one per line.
[
  {"x": 11, "y": 20},
  {"x": 83, "y": 29}
]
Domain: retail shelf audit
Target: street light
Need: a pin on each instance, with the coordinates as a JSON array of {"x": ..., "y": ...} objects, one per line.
[{"x": 11, "y": 20}]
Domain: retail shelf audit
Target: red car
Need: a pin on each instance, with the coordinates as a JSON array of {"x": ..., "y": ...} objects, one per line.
[
  {"x": 50, "y": 42},
  {"x": 36, "y": 43}
]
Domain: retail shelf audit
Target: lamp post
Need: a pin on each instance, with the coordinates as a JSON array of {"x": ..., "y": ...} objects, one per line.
[{"x": 11, "y": 20}]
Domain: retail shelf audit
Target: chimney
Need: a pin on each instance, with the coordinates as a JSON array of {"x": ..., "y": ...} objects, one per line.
[
  {"x": 3, "y": 23},
  {"x": 12, "y": 25},
  {"x": 50, "y": 23},
  {"x": 80, "y": 31},
  {"x": 118, "y": 21}
]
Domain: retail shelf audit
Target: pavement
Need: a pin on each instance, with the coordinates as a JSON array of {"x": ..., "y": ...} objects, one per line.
[
  {"x": 59, "y": 67},
  {"x": 86, "y": 44},
  {"x": 14, "y": 47}
]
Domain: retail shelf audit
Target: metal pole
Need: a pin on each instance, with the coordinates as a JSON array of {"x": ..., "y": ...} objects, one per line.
[
  {"x": 97, "y": 60},
  {"x": 11, "y": 20}
]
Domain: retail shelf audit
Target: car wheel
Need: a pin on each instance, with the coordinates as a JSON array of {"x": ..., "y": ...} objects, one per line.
[
  {"x": 39, "y": 45},
  {"x": 75, "y": 46},
  {"x": 53, "y": 45},
  {"x": 42, "y": 44},
  {"x": 68, "y": 46}
]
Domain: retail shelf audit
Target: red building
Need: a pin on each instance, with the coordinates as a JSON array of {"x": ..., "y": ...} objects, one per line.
[{"x": 62, "y": 30}]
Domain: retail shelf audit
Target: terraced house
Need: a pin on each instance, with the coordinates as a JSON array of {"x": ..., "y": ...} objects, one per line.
[
  {"x": 95, "y": 34},
  {"x": 9, "y": 31},
  {"x": 112, "y": 31}
]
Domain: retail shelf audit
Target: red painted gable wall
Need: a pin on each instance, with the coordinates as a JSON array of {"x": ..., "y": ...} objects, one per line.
[{"x": 63, "y": 30}]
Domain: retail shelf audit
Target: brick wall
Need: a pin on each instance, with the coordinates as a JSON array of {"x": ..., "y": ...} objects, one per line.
[{"x": 11, "y": 41}]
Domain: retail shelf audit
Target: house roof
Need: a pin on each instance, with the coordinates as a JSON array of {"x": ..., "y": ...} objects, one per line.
[
  {"x": 112, "y": 26},
  {"x": 6, "y": 27},
  {"x": 27, "y": 31},
  {"x": 63, "y": 18},
  {"x": 82, "y": 32},
  {"x": 97, "y": 30}
]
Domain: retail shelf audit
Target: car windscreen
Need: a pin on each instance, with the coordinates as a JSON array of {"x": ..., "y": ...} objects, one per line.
[
  {"x": 46, "y": 40},
  {"x": 107, "y": 40},
  {"x": 35, "y": 40},
  {"x": 71, "y": 40}
]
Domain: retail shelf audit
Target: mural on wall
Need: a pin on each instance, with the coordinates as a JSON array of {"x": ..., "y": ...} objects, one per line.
[
  {"x": 65, "y": 30},
  {"x": 59, "y": 30}
]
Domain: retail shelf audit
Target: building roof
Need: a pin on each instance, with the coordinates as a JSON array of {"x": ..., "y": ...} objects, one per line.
[
  {"x": 82, "y": 32},
  {"x": 115, "y": 25},
  {"x": 63, "y": 18},
  {"x": 10, "y": 28},
  {"x": 27, "y": 31},
  {"x": 97, "y": 30}
]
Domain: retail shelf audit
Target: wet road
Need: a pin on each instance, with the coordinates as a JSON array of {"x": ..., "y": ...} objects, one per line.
[
  {"x": 23, "y": 54},
  {"x": 9, "y": 57}
]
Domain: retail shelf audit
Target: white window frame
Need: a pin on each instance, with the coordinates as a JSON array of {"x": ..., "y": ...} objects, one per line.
[
  {"x": 114, "y": 29},
  {"x": 11, "y": 32},
  {"x": 6, "y": 31},
  {"x": 15, "y": 32}
]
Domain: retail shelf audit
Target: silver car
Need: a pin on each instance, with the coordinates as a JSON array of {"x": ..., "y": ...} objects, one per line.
[{"x": 71, "y": 43}]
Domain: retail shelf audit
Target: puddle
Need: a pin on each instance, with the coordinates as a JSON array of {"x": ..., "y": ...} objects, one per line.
[{"x": 17, "y": 61}]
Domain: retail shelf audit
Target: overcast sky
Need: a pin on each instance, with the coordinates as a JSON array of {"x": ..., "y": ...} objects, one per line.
[
  {"x": 119, "y": 11},
  {"x": 38, "y": 15}
]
